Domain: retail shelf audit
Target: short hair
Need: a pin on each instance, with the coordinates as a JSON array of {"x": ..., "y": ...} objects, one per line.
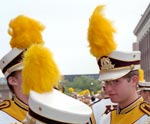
[{"x": 131, "y": 74}]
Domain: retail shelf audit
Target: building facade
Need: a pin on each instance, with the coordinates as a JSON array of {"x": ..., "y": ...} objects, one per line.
[
  {"x": 142, "y": 32},
  {"x": 4, "y": 90}
]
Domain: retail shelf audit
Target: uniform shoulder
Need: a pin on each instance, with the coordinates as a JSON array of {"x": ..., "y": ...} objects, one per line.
[
  {"x": 145, "y": 107},
  {"x": 5, "y": 104}
]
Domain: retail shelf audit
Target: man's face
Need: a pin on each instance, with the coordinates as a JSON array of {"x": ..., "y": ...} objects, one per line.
[{"x": 119, "y": 90}]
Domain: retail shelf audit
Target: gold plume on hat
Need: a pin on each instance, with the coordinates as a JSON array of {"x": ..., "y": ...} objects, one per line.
[
  {"x": 25, "y": 31},
  {"x": 141, "y": 75},
  {"x": 40, "y": 72},
  {"x": 100, "y": 34}
]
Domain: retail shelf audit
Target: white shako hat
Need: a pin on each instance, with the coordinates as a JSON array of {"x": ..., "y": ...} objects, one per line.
[
  {"x": 24, "y": 32},
  {"x": 12, "y": 61},
  {"x": 113, "y": 64},
  {"x": 118, "y": 64},
  {"x": 57, "y": 108}
]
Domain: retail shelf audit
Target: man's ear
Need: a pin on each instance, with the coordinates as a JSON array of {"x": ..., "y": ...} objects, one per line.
[
  {"x": 135, "y": 79},
  {"x": 12, "y": 81}
]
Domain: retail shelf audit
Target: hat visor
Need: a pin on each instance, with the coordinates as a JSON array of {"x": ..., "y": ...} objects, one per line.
[
  {"x": 112, "y": 75},
  {"x": 116, "y": 73}
]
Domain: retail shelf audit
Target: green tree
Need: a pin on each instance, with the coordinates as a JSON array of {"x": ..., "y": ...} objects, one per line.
[{"x": 80, "y": 83}]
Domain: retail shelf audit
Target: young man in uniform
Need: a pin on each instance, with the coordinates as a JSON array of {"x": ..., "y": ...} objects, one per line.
[
  {"x": 119, "y": 72},
  {"x": 17, "y": 107},
  {"x": 121, "y": 78},
  {"x": 24, "y": 31}
]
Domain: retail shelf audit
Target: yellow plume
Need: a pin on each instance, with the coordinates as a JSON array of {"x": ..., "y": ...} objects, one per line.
[
  {"x": 100, "y": 34},
  {"x": 24, "y": 32},
  {"x": 40, "y": 72},
  {"x": 141, "y": 75}
]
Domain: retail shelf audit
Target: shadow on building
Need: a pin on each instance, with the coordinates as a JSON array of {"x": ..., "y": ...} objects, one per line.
[
  {"x": 142, "y": 32},
  {"x": 4, "y": 90}
]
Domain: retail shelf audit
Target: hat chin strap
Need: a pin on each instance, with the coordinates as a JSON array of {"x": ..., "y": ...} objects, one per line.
[
  {"x": 16, "y": 67},
  {"x": 44, "y": 119}
]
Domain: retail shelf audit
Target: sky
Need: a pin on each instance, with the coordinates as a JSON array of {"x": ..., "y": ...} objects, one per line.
[{"x": 66, "y": 23}]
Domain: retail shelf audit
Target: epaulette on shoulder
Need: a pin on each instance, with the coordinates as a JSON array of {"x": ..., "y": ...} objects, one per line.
[
  {"x": 5, "y": 104},
  {"x": 110, "y": 108},
  {"x": 145, "y": 107}
]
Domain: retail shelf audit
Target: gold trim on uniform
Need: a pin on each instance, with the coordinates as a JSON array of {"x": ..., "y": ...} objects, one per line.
[
  {"x": 4, "y": 104},
  {"x": 92, "y": 118},
  {"x": 131, "y": 106},
  {"x": 21, "y": 104},
  {"x": 135, "y": 110},
  {"x": 145, "y": 107},
  {"x": 16, "y": 109}
]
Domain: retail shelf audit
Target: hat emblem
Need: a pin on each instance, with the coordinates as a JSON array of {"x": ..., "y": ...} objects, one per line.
[{"x": 106, "y": 64}]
